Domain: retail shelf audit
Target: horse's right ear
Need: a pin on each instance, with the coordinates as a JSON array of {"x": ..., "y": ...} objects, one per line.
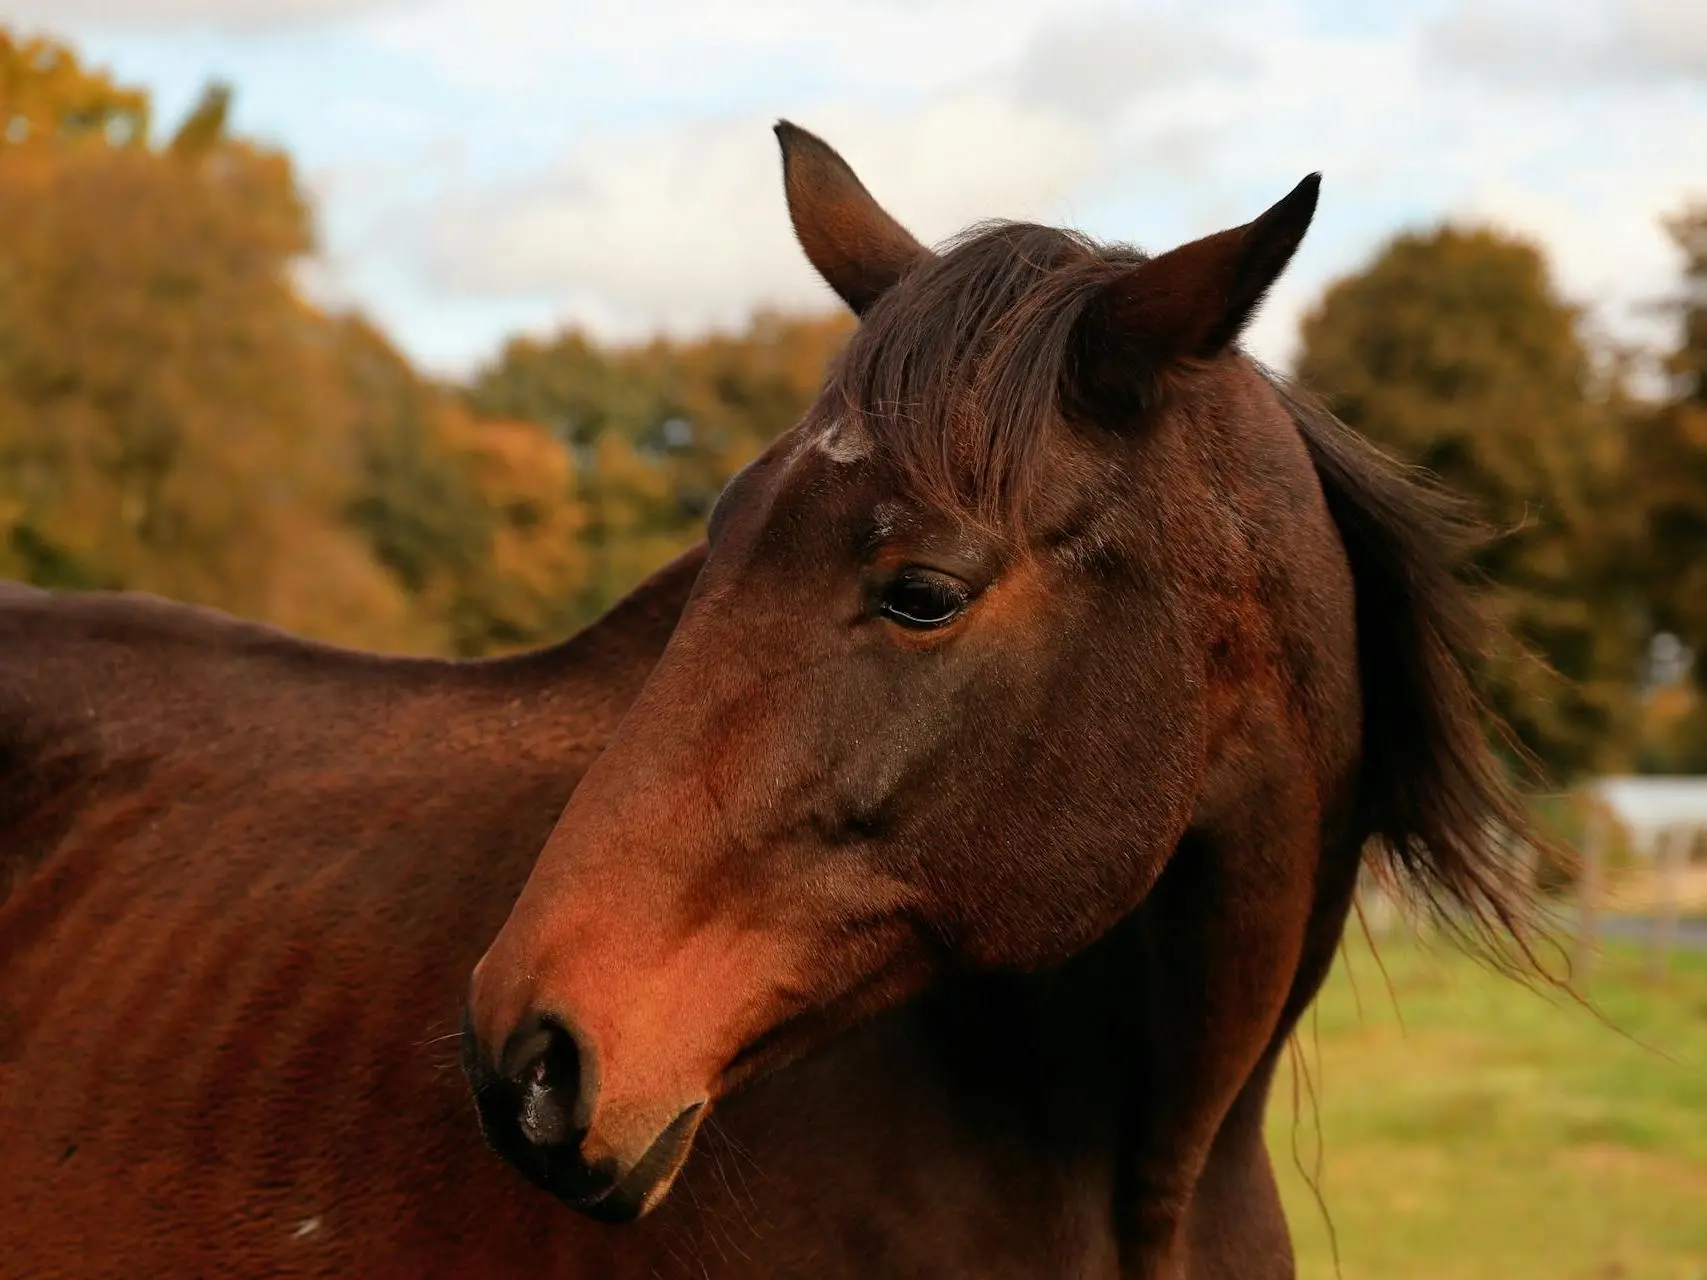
[{"x": 858, "y": 248}]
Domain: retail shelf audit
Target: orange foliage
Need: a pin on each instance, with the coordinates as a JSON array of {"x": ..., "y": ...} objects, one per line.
[
  {"x": 48, "y": 96},
  {"x": 535, "y": 564}
]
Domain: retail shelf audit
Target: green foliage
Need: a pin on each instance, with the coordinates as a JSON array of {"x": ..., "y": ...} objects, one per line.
[
  {"x": 417, "y": 511},
  {"x": 1453, "y": 351},
  {"x": 1668, "y": 448}
]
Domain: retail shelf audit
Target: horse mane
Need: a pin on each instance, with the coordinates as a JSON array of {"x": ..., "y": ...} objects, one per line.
[
  {"x": 957, "y": 372},
  {"x": 1435, "y": 796}
]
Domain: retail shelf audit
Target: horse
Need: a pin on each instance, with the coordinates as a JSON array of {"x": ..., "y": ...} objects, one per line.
[
  {"x": 246, "y": 879},
  {"x": 1059, "y": 646}
]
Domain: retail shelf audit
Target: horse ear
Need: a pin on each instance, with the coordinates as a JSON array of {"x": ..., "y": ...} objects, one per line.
[
  {"x": 858, "y": 248},
  {"x": 1190, "y": 303}
]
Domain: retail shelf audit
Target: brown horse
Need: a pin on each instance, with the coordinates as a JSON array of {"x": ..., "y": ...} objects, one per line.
[
  {"x": 246, "y": 876},
  {"x": 1054, "y": 621}
]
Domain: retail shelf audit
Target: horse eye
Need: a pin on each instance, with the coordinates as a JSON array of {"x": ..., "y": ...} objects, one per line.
[{"x": 921, "y": 603}]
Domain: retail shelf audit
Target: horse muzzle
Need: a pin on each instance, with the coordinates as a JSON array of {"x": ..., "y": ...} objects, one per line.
[{"x": 540, "y": 1111}]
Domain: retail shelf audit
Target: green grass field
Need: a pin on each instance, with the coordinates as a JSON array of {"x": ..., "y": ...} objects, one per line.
[{"x": 1472, "y": 1129}]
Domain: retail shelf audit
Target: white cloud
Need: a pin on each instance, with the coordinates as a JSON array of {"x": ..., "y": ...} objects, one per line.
[
  {"x": 1156, "y": 129},
  {"x": 687, "y": 228},
  {"x": 222, "y": 15},
  {"x": 1099, "y": 62},
  {"x": 676, "y": 48},
  {"x": 1544, "y": 42},
  {"x": 486, "y": 163}
]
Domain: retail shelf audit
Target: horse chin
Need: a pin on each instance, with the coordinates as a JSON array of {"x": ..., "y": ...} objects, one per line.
[
  {"x": 646, "y": 1185},
  {"x": 633, "y": 1196}
]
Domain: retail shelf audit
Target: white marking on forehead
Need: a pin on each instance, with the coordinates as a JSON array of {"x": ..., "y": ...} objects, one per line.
[{"x": 844, "y": 440}]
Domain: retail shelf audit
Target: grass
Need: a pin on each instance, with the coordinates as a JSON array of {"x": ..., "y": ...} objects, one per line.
[{"x": 1483, "y": 1131}]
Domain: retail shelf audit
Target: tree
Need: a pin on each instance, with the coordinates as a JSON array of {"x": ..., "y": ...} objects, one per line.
[
  {"x": 534, "y": 564},
  {"x": 1670, "y": 448},
  {"x": 48, "y": 97},
  {"x": 478, "y": 520},
  {"x": 204, "y": 128},
  {"x": 1453, "y": 351},
  {"x": 172, "y": 417},
  {"x": 176, "y": 418},
  {"x": 1669, "y": 470},
  {"x": 658, "y": 429},
  {"x": 160, "y": 375}
]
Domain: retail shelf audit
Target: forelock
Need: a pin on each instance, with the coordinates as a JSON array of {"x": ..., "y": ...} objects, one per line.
[{"x": 954, "y": 376}]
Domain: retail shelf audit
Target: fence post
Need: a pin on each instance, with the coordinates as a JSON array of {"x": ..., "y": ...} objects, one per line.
[
  {"x": 1669, "y": 852},
  {"x": 1588, "y": 897}
]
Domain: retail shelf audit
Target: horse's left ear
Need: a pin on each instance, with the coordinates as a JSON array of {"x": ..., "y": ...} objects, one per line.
[{"x": 1190, "y": 303}]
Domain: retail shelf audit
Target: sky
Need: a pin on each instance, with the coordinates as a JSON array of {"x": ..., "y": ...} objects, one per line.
[{"x": 487, "y": 167}]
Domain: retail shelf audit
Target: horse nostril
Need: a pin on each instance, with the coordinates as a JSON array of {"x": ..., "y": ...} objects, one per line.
[{"x": 545, "y": 1064}]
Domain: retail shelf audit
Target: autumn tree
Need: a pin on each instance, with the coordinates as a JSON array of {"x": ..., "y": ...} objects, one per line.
[
  {"x": 1454, "y": 351},
  {"x": 174, "y": 417},
  {"x": 478, "y": 520},
  {"x": 47, "y": 96},
  {"x": 204, "y": 128},
  {"x": 148, "y": 326},
  {"x": 658, "y": 428}
]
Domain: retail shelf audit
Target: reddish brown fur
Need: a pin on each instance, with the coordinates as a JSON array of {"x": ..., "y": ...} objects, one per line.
[
  {"x": 1206, "y": 646},
  {"x": 248, "y": 878},
  {"x": 861, "y": 254},
  {"x": 250, "y": 875}
]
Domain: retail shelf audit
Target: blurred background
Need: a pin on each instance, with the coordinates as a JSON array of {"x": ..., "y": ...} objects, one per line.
[{"x": 432, "y": 325}]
